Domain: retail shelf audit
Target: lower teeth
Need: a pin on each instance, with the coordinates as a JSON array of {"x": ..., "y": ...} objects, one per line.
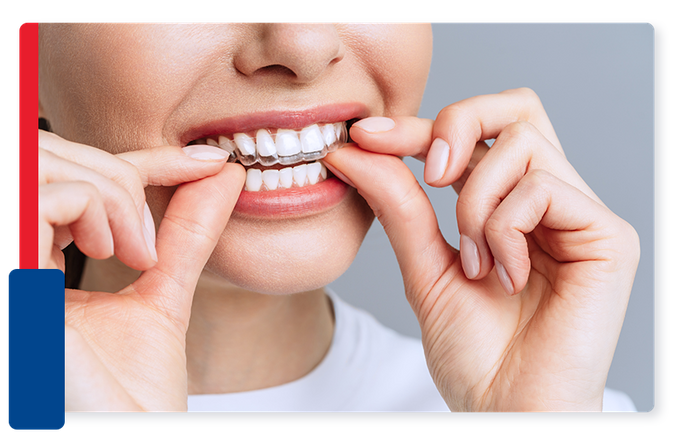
[{"x": 299, "y": 176}]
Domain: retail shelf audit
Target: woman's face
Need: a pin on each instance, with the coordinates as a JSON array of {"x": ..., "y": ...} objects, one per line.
[{"x": 126, "y": 87}]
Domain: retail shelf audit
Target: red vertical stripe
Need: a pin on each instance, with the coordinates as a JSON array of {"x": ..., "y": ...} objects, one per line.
[{"x": 28, "y": 146}]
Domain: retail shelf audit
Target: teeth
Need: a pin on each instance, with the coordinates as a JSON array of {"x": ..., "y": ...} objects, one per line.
[
  {"x": 313, "y": 172},
  {"x": 285, "y": 147},
  {"x": 267, "y": 152},
  {"x": 244, "y": 143},
  {"x": 253, "y": 180},
  {"x": 311, "y": 139},
  {"x": 287, "y": 143},
  {"x": 226, "y": 144},
  {"x": 299, "y": 176},
  {"x": 271, "y": 179},
  {"x": 286, "y": 178}
]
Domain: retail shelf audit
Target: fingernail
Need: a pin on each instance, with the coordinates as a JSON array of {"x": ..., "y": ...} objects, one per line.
[
  {"x": 470, "y": 257},
  {"x": 377, "y": 124},
  {"x": 436, "y": 161},
  {"x": 504, "y": 278},
  {"x": 111, "y": 244},
  {"x": 149, "y": 231},
  {"x": 205, "y": 152},
  {"x": 339, "y": 175}
]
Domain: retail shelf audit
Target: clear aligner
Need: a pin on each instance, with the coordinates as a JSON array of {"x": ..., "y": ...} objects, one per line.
[{"x": 284, "y": 147}]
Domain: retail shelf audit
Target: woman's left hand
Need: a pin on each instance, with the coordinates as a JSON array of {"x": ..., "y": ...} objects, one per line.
[{"x": 526, "y": 315}]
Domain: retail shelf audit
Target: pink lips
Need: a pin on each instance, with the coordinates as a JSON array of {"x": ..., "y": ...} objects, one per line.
[{"x": 291, "y": 202}]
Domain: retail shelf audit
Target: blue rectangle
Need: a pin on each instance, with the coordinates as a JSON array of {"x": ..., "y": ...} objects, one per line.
[{"x": 37, "y": 349}]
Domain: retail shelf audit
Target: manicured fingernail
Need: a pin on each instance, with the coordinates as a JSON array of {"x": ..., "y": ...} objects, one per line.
[
  {"x": 504, "y": 278},
  {"x": 339, "y": 175},
  {"x": 149, "y": 231},
  {"x": 111, "y": 244},
  {"x": 470, "y": 257},
  {"x": 436, "y": 161},
  {"x": 205, "y": 152},
  {"x": 375, "y": 124}
]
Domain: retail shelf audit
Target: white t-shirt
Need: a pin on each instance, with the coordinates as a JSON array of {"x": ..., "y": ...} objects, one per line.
[{"x": 368, "y": 368}]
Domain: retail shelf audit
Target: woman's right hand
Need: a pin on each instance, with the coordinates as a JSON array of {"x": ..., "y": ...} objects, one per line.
[{"x": 126, "y": 351}]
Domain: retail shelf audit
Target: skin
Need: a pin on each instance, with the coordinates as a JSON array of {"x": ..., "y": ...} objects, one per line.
[{"x": 535, "y": 332}]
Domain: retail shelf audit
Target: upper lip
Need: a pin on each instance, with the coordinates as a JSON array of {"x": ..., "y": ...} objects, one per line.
[{"x": 289, "y": 119}]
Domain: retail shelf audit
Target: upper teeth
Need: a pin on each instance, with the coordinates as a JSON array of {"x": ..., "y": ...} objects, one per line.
[{"x": 284, "y": 147}]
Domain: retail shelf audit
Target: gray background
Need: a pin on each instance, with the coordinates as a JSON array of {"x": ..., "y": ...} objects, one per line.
[{"x": 596, "y": 82}]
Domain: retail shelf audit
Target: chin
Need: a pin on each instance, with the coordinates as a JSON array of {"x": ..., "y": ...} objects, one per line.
[{"x": 291, "y": 254}]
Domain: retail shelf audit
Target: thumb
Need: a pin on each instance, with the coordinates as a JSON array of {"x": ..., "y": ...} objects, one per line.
[
  {"x": 193, "y": 222},
  {"x": 403, "y": 209}
]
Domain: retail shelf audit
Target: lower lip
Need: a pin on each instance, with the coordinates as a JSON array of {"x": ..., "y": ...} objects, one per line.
[{"x": 292, "y": 202}]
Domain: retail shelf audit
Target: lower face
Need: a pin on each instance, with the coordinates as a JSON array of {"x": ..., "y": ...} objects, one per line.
[
  {"x": 295, "y": 227},
  {"x": 305, "y": 224},
  {"x": 297, "y": 253}
]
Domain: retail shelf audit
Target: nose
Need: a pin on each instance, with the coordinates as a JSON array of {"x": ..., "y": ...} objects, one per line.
[{"x": 298, "y": 52}]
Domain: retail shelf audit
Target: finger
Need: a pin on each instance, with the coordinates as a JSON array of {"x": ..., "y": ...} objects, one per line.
[
  {"x": 540, "y": 199},
  {"x": 107, "y": 165},
  {"x": 196, "y": 215},
  {"x": 478, "y": 154},
  {"x": 447, "y": 144},
  {"x": 135, "y": 170},
  {"x": 410, "y": 136},
  {"x": 402, "y": 208},
  {"x": 460, "y": 126},
  {"x": 79, "y": 206},
  {"x": 131, "y": 243},
  {"x": 168, "y": 165},
  {"x": 400, "y": 135},
  {"x": 519, "y": 148}
]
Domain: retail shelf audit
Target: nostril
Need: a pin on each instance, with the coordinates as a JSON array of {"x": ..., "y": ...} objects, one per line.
[{"x": 278, "y": 70}]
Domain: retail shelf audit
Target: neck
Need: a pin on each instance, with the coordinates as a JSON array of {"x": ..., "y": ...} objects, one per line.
[{"x": 239, "y": 340}]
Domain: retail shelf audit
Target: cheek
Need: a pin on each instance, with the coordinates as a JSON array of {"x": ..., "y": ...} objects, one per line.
[
  {"x": 110, "y": 85},
  {"x": 398, "y": 58},
  {"x": 290, "y": 256}
]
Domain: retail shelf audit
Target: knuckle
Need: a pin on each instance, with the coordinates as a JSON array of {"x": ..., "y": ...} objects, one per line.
[
  {"x": 460, "y": 119},
  {"x": 113, "y": 179},
  {"x": 525, "y": 93},
  {"x": 538, "y": 174},
  {"x": 495, "y": 227},
  {"x": 63, "y": 202},
  {"x": 450, "y": 112},
  {"x": 528, "y": 93},
  {"x": 88, "y": 189},
  {"x": 46, "y": 139},
  {"x": 519, "y": 130},
  {"x": 470, "y": 206},
  {"x": 126, "y": 197},
  {"x": 631, "y": 236},
  {"x": 129, "y": 178},
  {"x": 519, "y": 137},
  {"x": 536, "y": 179},
  {"x": 531, "y": 103}
]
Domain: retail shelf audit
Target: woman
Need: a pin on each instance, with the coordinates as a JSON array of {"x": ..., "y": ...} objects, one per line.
[{"x": 525, "y": 316}]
